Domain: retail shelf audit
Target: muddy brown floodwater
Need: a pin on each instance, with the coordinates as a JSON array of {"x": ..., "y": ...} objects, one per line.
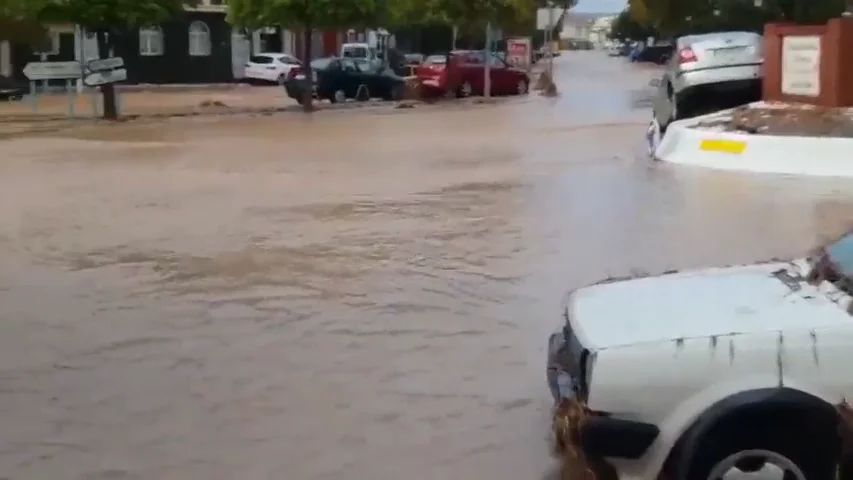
[{"x": 347, "y": 296}]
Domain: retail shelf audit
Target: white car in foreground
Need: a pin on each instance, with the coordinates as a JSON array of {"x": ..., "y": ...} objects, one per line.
[
  {"x": 734, "y": 372},
  {"x": 271, "y": 67}
]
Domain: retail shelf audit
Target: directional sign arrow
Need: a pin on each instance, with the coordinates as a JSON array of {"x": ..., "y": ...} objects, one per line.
[
  {"x": 52, "y": 70},
  {"x": 102, "y": 64},
  {"x": 102, "y": 78}
]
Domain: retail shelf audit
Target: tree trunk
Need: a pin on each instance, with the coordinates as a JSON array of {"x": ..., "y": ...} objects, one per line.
[
  {"x": 308, "y": 92},
  {"x": 487, "y": 61},
  {"x": 108, "y": 91}
]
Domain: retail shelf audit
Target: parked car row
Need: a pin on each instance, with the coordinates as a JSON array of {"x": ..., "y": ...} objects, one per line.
[
  {"x": 460, "y": 73},
  {"x": 338, "y": 79},
  {"x": 638, "y": 52},
  {"x": 542, "y": 52}
]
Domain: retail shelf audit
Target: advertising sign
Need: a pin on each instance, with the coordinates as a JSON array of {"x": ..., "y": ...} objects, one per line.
[{"x": 518, "y": 52}]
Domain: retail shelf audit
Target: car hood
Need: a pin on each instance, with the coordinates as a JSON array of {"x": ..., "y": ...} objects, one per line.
[{"x": 701, "y": 303}]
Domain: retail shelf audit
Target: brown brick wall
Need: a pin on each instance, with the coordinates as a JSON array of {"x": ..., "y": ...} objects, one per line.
[{"x": 836, "y": 62}]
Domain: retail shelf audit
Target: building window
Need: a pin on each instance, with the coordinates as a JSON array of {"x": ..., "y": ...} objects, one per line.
[
  {"x": 199, "y": 39},
  {"x": 151, "y": 41},
  {"x": 51, "y": 44}
]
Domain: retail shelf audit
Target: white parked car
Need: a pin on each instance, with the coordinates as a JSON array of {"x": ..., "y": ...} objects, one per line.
[
  {"x": 271, "y": 67},
  {"x": 734, "y": 372}
]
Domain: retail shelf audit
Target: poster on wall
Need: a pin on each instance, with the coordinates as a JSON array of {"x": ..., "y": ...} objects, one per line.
[
  {"x": 518, "y": 52},
  {"x": 801, "y": 65}
]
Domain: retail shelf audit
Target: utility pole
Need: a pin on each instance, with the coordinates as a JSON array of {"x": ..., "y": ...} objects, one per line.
[
  {"x": 550, "y": 41},
  {"x": 487, "y": 71}
]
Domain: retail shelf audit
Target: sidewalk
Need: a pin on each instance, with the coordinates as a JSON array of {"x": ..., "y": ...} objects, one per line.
[
  {"x": 154, "y": 103},
  {"x": 761, "y": 137}
]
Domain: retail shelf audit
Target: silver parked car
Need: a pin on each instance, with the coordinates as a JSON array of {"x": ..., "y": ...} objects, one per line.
[{"x": 705, "y": 70}]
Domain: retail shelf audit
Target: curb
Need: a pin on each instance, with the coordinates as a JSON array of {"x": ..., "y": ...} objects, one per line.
[{"x": 684, "y": 144}]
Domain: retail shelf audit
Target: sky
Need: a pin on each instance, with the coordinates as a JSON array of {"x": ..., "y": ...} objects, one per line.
[{"x": 599, "y": 6}]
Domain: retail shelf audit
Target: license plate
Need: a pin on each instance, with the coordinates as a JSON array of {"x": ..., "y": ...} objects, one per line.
[
  {"x": 728, "y": 54},
  {"x": 431, "y": 81}
]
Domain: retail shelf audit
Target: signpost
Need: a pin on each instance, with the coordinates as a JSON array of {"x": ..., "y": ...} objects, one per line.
[
  {"x": 95, "y": 73},
  {"x": 104, "y": 71},
  {"x": 104, "y": 64},
  {"x": 45, "y": 71},
  {"x": 96, "y": 79},
  {"x": 518, "y": 52},
  {"x": 53, "y": 71}
]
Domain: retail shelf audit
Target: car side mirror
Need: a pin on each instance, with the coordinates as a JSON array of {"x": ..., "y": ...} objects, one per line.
[{"x": 655, "y": 82}]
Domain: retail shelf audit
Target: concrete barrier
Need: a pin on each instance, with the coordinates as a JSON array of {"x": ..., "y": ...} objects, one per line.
[{"x": 684, "y": 144}]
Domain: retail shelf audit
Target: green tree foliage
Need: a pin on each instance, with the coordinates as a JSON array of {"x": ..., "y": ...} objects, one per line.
[
  {"x": 676, "y": 17},
  {"x": 19, "y": 21},
  {"x": 107, "y": 18},
  {"x": 625, "y": 28},
  {"x": 308, "y": 16}
]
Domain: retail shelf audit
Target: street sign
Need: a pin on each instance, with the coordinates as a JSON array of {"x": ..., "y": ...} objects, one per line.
[
  {"x": 95, "y": 79},
  {"x": 103, "y": 64},
  {"x": 518, "y": 52},
  {"x": 53, "y": 70}
]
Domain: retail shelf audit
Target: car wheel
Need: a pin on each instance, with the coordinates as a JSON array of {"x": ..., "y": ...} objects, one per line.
[
  {"x": 465, "y": 90},
  {"x": 778, "y": 449},
  {"x": 396, "y": 94},
  {"x": 338, "y": 96},
  {"x": 281, "y": 79},
  {"x": 522, "y": 86},
  {"x": 362, "y": 94},
  {"x": 673, "y": 112}
]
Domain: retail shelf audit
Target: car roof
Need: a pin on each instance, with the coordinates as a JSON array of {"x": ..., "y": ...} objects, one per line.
[{"x": 272, "y": 54}]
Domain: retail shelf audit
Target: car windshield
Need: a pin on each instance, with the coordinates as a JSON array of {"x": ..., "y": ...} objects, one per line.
[
  {"x": 321, "y": 63},
  {"x": 840, "y": 254},
  {"x": 356, "y": 52},
  {"x": 365, "y": 66}
]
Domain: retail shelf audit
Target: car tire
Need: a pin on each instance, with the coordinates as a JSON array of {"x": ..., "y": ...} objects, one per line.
[
  {"x": 338, "y": 96},
  {"x": 745, "y": 445},
  {"x": 522, "y": 87},
  {"x": 396, "y": 93},
  {"x": 281, "y": 79},
  {"x": 362, "y": 94},
  {"x": 465, "y": 90}
]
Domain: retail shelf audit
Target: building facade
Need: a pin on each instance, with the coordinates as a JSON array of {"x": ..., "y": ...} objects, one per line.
[{"x": 199, "y": 46}]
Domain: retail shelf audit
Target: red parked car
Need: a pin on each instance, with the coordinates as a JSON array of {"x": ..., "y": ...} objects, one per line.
[{"x": 462, "y": 72}]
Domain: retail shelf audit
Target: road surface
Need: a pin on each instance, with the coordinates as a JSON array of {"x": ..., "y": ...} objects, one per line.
[{"x": 341, "y": 296}]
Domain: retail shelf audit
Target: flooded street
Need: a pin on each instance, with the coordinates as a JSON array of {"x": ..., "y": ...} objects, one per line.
[{"x": 350, "y": 295}]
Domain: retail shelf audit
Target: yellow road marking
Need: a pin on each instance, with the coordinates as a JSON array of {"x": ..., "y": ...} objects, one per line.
[{"x": 724, "y": 146}]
